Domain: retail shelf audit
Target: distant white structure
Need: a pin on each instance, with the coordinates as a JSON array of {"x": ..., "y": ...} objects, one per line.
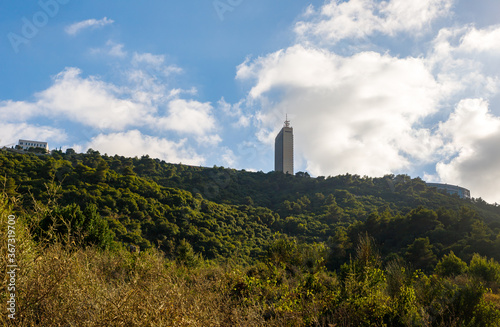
[
  {"x": 26, "y": 144},
  {"x": 462, "y": 193},
  {"x": 283, "y": 149}
]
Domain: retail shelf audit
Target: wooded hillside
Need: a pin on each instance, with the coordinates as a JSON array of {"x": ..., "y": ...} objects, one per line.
[{"x": 346, "y": 243}]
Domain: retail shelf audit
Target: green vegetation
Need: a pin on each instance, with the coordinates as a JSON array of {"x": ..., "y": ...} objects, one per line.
[{"x": 220, "y": 247}]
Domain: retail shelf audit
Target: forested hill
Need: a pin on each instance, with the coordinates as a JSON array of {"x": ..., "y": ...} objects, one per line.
[{"x": 224, "y": 213}]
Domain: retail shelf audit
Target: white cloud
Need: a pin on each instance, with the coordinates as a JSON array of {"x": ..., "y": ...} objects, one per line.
[
  {"x": 188, "y": 117},
  {"x": 473, "y": 135},
  {"x": 75, "y": 28},
  {"x": 356, "y": 114},
  {"x": 482, "y": 40},
  {"x": 16, "y": 110},
  {"x": 228, "y": 157},
  {"x": 116, "y": 49},
  {"x": 412, "y": 16},
  {"x": 243, "y": 121},
  {"x": 90, "y": 101},
  {"x": 148, "y": 58},
  {"x": 134, "y": 143},
  {"x": 465, "y": 47},
  {"x": 465, "y": 62},
  {"x": 470, "y": 122},
  {"x": 111, "y": 49},
  {"x": 155, "y": 61},
  {"x": 234, "y": 111},
  {"x": 338, "y": 20},
  {"x": 209, "y": 140},
  {"x": 102, "y": 105}
]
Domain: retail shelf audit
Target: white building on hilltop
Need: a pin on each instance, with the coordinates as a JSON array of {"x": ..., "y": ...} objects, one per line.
[
  {"x": 283, "y": 149},
  {"x": 26, "y": 144}
]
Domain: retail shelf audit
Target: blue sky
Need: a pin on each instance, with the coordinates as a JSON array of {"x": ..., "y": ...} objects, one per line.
[{"x": 371, "y": 87}]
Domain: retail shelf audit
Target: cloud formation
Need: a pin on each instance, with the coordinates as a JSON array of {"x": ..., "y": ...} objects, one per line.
[
  {"x": 188, "y": 117},
  {"x": 91, "y": 102},
  {"x": 112, "y": 49},
  {"x": 100, "y": 105},
  {"x": 76, "y": 28},
  {"x": 465, "y": 59},
  {"x": 156, "y": 62},
  {"x": 338, "y": 20},
  {"x": 473, "y": 135}
]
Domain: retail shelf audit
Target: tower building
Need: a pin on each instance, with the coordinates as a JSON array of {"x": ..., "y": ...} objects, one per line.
[{"x": 283, "y": 149}]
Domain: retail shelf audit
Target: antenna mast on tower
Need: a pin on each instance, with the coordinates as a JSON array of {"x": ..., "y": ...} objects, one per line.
[{"x": 287, "y": 122}]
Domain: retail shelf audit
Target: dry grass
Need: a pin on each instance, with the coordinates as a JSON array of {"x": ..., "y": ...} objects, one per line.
[{"x": 86, "y": 287}]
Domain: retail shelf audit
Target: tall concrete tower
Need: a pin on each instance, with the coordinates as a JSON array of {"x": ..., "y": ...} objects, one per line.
[{"x": 283, "y": 149}]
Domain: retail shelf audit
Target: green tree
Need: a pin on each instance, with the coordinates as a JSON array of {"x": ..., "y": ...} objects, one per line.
[
  {"x": 484, "y": 269},
  {"x": 420, "y": 254},
  {"x": 339, "y": 244},
  {"x": 96, "y": 228},
  {"x": 101, "y": 171},
  {"x": 450, "y": 265},
  {"x": 186, "y": 255}
]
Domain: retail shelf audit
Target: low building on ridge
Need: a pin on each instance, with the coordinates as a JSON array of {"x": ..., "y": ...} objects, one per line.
[
  {"x": 26, "y": 144},
  {"x": 462, "y": 193}
]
